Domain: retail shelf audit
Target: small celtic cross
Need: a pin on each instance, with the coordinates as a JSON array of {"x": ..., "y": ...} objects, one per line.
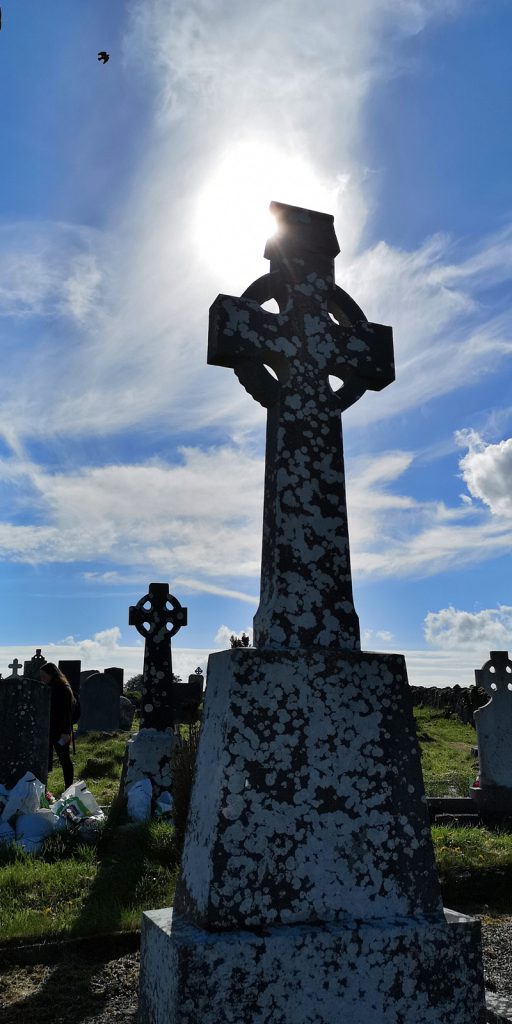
[{"x": 157, "y": 617}]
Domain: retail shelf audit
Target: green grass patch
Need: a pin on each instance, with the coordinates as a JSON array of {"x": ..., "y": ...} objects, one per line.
[
  {"x": 81, "y": 890},
  {"x": 98, "y": 760},
  {"x": 475, "y": 867},
  {"x": 448, "y": 765}
]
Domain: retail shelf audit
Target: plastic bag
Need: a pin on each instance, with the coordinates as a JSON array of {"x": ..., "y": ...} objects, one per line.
[
  {"x": 164, "y": 805},
  {"x": 24, "y": 797},
  {"x": 76, "y": 802},
  {"x": 33, "y": 829},
  {"x": 7, "y": 833},
  {"x": 138, "y": 798}
]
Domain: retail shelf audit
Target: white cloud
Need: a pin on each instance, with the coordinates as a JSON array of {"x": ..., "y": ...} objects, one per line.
[
  {"x": 224, "y": 634},
  {"x": 487, "y": 471},
  {"x": 489, "y": 628}
]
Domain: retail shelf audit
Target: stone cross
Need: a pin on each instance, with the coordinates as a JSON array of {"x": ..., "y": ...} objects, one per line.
[
  {"x": 157, "y": 617},
  {"x": 33, "y": 667},
  {"x": 285, "y": 361},
  {"x": 15, "y": 665},
  {"x": 493, "y": 722}
]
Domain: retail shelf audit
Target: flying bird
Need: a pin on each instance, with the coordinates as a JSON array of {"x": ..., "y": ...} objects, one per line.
[{"x": 104, "y": 56}]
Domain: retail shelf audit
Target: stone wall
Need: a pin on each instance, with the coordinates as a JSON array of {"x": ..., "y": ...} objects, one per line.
[{"x": 460, "y": 701}]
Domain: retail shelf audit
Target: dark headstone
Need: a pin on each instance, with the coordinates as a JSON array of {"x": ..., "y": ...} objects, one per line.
[
  {"x": 157, "y": 617},
  {"x": 126, "y": 713},
  {"x": 99, "y": 703},
  {"x": 32, "y": 668},
  {"x": 117, "y": 673},
  {"x": 187, "y": 698},
  {"x": 24, "y": 729},
  {"x": 72, "y": 671}
]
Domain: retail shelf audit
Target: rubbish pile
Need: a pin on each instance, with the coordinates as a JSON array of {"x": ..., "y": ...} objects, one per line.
[{"x": 28, "y": 814}]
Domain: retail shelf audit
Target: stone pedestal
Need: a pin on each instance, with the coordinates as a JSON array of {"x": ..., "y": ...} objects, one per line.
[
  {"x": 308, "y": 860},
  {"x": 148, "y": 756},
  {"x": 377, "y": 972}
]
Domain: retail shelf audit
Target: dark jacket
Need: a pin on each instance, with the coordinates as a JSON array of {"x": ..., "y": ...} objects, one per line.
[{"x": 61, "y": 710}]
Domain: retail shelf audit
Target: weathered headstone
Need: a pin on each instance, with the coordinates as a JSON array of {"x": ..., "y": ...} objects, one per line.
[
  {"x": 32, "y": 668},
  {"x": 126, "y": 713},
  {"x": 99, "y": 703},
  {"x": 24, "y": 729},
  {"x": 308, "y": 887},
  {"x": 494, "y": 735},
  {"x": 118, "y": 674},
  {"x": 72, "y": 671},
  {"x": 15, "y": 665},
  {"x": 187, "y": 698},
  {"x": 157, "y": 617}
]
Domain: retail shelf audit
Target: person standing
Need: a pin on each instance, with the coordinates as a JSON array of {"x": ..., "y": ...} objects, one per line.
[{"x": 61, "y": 719}]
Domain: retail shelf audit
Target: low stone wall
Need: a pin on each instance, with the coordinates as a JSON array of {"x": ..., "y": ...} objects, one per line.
[{"x": 460, "y": 701}]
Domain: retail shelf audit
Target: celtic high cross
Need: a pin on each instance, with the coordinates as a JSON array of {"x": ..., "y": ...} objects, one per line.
[
  {"x": 285, "y": 360},
  {"x": 157, "y": 617}
]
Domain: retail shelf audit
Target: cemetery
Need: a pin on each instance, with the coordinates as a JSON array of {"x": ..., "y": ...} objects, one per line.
[{"x": 326, "y": 845}]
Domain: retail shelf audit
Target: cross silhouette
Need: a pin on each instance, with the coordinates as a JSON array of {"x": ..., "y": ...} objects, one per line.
[
  {"x": 285, "y": 360},
  {"x": 15, "y": 665},
  {"x": 157, "y": 617}
]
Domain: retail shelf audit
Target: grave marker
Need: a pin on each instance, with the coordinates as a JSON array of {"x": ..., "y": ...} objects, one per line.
[
  {"x": 99, "y": 704},
  {"x": 494, "y": 734},
  {"x": 157, "y": 617},
  {"x": 24, "y": 729},
  {"x": 308, "y": 887}
]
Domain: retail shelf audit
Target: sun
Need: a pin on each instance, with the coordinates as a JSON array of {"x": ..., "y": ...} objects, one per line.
[{"x": 232, "y": 217}]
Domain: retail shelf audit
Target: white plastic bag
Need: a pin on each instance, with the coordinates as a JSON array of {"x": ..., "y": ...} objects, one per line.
[
  {"x": 138, "y": 799},
  {"x": 7, "y": 833},
  {"x": 77, "y": 801},
  {"x": 33, "y": 829},
  {"x": 24, "y": 797},
  {"x": 164, "y": 805}
]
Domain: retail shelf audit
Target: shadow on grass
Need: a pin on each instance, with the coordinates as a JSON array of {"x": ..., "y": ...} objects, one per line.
[{"x": 479, "y": 890}]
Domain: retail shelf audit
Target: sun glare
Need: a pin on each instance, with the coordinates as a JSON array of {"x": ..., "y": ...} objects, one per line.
[{"x": 233, "y": 221}]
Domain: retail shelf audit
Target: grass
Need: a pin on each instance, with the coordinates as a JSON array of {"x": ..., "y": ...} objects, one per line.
[
  {"x": 475, "y": 868},
  {"x": 448, "y": 765},
  {"x": 72, "y": 889},
  {"x": 98, "y": 760}
]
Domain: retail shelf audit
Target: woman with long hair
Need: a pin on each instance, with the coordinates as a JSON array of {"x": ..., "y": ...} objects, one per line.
[{"x": 61, "y": 719}]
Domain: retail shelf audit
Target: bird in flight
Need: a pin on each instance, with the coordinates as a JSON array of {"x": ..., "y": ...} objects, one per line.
[{"x": 104, "y": 56}]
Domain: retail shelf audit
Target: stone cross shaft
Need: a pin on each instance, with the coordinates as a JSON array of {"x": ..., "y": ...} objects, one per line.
[
  {"x": 15, "y": 665},
  {"x": 157, "y": 617},
  {"x": 287, "y": 362}
]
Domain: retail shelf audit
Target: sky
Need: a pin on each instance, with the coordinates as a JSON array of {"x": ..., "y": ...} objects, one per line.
[{"x": 132, "y": 193}]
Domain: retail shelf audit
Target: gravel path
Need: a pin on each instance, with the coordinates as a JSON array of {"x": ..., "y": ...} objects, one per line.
[{"x": 91, "y": 989}]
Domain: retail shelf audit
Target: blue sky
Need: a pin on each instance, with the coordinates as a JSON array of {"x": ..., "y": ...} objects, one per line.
[{"x": 132, "y": 193}]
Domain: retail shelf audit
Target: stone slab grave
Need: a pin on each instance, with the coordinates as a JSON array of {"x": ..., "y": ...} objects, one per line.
[
  {"x": 24, "y": 727},
  {"x": 493, "y": 721},
  {"x": 99, "y": 703},
  {"x": 308, "y": 889},
  {"x": 157, "y": 617},
  {"x": 32, "y": 668}
]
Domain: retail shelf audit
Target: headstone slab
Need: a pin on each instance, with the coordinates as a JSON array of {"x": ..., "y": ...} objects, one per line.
[
  {"x": 118, "y": 674},
  {"x": 32, "y": 668},
  {"x": 72, "y": 671},
  {"x": 148, "y": 755},
  {"x": 99, "y": 704},
  {"x": 354, "y": 972},
  {"x": 494, "y": 722},
  {"x": 24, "y": 729},
  {"x": 126, "y": 713}
]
